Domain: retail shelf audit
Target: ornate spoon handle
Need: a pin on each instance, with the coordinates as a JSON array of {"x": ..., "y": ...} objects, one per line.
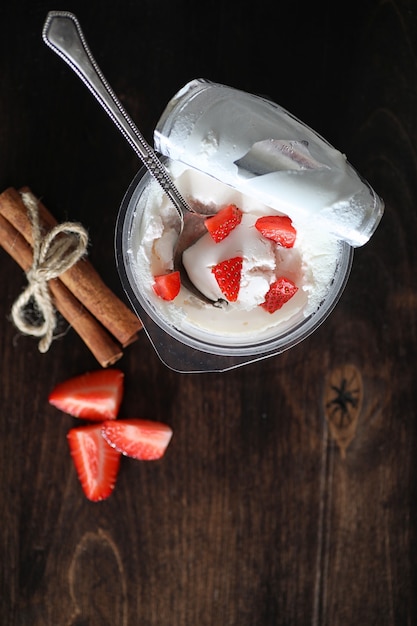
[{"x": 63, "y": 34}]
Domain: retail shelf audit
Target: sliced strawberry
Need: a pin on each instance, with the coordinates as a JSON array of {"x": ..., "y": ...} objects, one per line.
[
  {"x": 94, "y": 396},
  {"x": 141, "y": 439},
  {"x": 279, "y": 293},
  {"x": 279, "y": 228},
  {"x": 97, "y": 464},
  {"x": 167, "y": 286},
  {"x": 223, "y": 222},
  {"x": 228, "y": 274}
]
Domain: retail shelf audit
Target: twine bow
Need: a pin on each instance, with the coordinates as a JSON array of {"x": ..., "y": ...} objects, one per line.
[{"x": 53, "y": 254}]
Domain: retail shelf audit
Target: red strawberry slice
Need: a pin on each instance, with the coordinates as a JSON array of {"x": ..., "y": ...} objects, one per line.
[
  {"x": 167, "y": 286},
  {"x": 223, "y": 222},
  {"x": 94, "y": 396},
  {"x": 97, "y": 464},
  {"x": 279, "y": 228},
  {"x": 228, "y": 274},
  {"x": 141, "y": 439},
  {"x": 279, "y": 293}
]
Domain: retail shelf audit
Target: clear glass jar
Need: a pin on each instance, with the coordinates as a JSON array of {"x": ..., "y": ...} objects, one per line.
[{"x": 252, "y": 150}]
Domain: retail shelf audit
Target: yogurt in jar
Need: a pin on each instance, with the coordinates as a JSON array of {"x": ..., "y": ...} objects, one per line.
[{"x": 310, "y": 264}]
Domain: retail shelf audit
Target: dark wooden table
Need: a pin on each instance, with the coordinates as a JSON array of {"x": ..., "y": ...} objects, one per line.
[{"x": 268, "y": 508}]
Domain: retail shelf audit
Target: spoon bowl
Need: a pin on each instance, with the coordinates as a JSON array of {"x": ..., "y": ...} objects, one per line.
[{"x": 193, "y": 228}]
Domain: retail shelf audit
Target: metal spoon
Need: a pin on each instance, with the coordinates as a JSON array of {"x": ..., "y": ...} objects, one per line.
[{"x": 63, "y": 34}]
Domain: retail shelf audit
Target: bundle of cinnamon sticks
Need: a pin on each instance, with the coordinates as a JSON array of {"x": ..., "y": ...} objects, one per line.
[{"x": 101, "y": 319}]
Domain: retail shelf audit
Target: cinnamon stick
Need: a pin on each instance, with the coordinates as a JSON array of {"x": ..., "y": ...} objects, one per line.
[
  {"x": 97, "y": 339},
  {"x": 81, "y": 279}
]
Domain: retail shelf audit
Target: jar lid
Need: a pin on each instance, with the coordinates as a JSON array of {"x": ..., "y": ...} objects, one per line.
[{"x": 257, "y": 147}]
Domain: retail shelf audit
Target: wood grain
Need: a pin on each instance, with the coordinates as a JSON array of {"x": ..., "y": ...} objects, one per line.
[{"x": 288, "y": 493}]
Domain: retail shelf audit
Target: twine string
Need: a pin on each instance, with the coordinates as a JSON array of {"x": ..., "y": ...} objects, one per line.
[{"x": 53, "y": 254}]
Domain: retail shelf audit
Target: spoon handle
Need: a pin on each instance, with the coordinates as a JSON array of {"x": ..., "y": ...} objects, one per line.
[{"x": 63, "y": 34}]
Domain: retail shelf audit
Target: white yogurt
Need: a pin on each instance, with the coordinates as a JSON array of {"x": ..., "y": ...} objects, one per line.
[{"x": 310, "y": 264}]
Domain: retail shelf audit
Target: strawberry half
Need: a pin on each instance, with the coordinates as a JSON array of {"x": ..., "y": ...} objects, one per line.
[
  {"x": 279, "y": 228},
  {"x": 228, "y": 274},
  {"x": 96, "y": 463},
  {"x": 223, "y": 222},
  {"x": 141, "y": 439},
  {"x": 167, "y": 286},
  {"x": 94, "y": 396},
  {"x": 279, "y": 293}
]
